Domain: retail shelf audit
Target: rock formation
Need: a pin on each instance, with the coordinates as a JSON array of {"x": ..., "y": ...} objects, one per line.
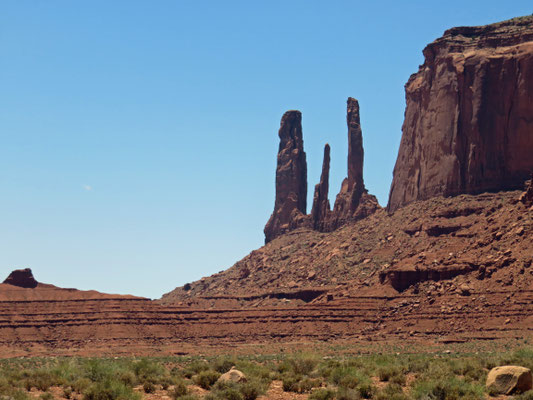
[
  {"x": 352, "y": 203},
  {"x": 291, "y": 178},
  {"x": 353, "y": 186},
  {"x": 321, "y": 208},
  {"x": 348, "y": 203},
  {"x": 527, "y": 196},
  {"x": 22, "y": 278},
  {"x": 469, "y": 115}
]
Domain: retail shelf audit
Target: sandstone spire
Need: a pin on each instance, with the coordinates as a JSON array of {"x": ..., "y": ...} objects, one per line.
[
  {"x": 321, "y": 208},
  {"x": 353, "y": 186},
  {"x": 291, "y": 177}
]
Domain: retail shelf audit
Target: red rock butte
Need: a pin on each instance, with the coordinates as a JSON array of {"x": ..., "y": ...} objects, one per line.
[{"x": 469, "y": 116}]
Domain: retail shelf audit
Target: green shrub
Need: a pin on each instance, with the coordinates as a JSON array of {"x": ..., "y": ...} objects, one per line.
[
  {"x": 148, "y": 387},
  {"x": 195, "y": 368},
  {"x": 291, "y": 383},
  {"x": 344, "y": 393},
  {"x": 223, "y": 365},
  {"x": 366, "y": 390},
  {"x": 148, "y": 371},
  {"x": 322, "y": 394},
  {"x": 67, "y": 392},
  {"x": 81, "y": 384},
  {"x": 447, "y": 388},
  {"x": 348, "y": 377},
  {"x": 206, "y": 379},
  {"x": 46, "y": 396},
  {"x": 250, "y": 390},
  {"x": 179, "y": 390},
  {"x": 110, "y": 390},
  {"x": 525, "y": 396}
]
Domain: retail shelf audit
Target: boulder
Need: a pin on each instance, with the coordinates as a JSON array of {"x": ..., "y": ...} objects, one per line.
[
  {"x": 233, "y": 375},
  {"x": 509, "y": 379},
  {"x": 469, "y": 115}
]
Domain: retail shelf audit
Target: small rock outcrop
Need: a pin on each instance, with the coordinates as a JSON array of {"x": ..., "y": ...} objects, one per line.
[
  {"x": 291, "y": 178},
  {"x": 509, "y": 379},
  {"x": 469, "y": 115},
  {"x": 320, "y": 212},
  {"x": 22, "y": 278},
  {"x": 527, "y": 196},
  {"x": 233, "y": 375}
]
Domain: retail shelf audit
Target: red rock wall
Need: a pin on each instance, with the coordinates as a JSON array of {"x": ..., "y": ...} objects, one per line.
[{"x": 469, "y": 115}]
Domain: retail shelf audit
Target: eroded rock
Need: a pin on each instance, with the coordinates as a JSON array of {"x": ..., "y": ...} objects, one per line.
[
  {"x": 469, "y": 115},
  {"x": 509, "y": 379},
  {"x": 22, "y": 278},
  {"x": 291, "y": 178}
]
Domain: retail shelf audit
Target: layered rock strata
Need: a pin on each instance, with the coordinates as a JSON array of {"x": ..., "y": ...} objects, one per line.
[
  {"x": 291, "y": 177},
  {"x": 469, "y": 115}
]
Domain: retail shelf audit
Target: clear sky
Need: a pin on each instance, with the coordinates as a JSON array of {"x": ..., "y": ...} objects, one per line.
[{"x": 139, "y": 138}]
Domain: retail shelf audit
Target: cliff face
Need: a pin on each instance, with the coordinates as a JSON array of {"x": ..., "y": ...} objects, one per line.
[
  {"x": 291, "y": 177},
  {"x": 469, "y": 115}
]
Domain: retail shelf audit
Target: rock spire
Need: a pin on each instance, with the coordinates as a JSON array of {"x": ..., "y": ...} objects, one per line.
[{"x": 291, "y": 177}]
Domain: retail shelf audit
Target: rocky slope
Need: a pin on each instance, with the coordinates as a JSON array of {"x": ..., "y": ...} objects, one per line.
[
  {"x": 436, "y": 271},
  {"x": 482, "y": 240},
  {"x": 469, "y": 115}
]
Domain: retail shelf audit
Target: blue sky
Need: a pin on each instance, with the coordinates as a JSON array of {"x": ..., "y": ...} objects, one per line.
[{"x": 139, "y": 138}]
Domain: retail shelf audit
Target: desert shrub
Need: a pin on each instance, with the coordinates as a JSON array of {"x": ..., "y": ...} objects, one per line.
[
  {"x": 99, "y": 370},
  {"x": 41, "y": 379},
  {"x": 188, "y": 397},
  {"x": 391, "y": 392},
  {"x": 128, "y": 378},
  {"x": 67, "y": 392},
  {"x": 228, "y": 393},
  {"x": 366, "y": 390},
  {"x": 46, "y": 396},
  {"x": 110, "y": 390},
  {"x": 447, "y": 388},
  {"x": 81, "y": 384},
  {"x": 291, "y": 383},
  {"x": 194, "y": 368},
  {"x": 348, "y": 377},
  {"x": 179, "y": 390},
  {"x": 223, "y": 364},
  {"x": 250, "y": 390},
  {"x": 525, "y": 396},
  {"x": 148, "y": 387},
  {"x": 206, "y": 379},
  {"x": 303, "y": 364},
  {"x": 386, "y": 373},
  {"x": 148, "y": 371},
  {"x": 344, "y": 393},
  {"x": 17, "y": 394},
  {"x": 322, "y": 394}
]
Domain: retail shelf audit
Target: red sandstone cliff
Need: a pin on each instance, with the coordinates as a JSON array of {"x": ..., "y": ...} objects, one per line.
[{"x": 469, "y": 115}]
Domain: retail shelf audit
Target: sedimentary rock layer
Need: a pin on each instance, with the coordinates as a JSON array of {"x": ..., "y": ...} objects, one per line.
[{"x": 469, "y": 115}]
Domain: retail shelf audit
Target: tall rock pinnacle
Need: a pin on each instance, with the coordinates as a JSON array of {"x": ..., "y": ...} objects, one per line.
[
  {"x": 321, "y": 208},
  {"x": 469, "y": 115},
  {"x": 348, "y": 202},
  {"x": 291, "y": 177},
  {"x": 356, "y": 153}
]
